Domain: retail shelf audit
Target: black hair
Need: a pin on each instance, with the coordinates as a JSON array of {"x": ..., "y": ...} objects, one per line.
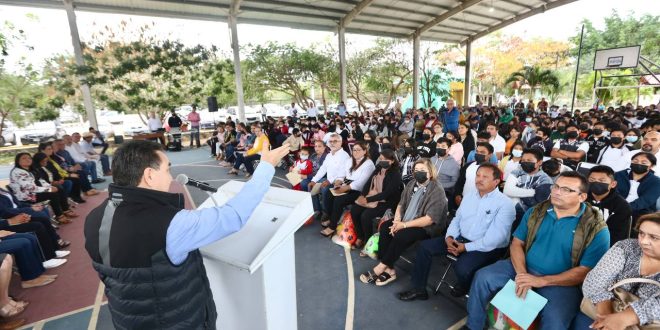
[
  {"x": 18, "y": 157},
  {"x": 444, "y": 140},
  {"x": 602, "y": 169},
  {"x": 36, "y": 160},
  {"x": 538, "y": 153},
  {"x": 131, "y": 159},
  {"x": 551, "y": 166},
  {"x": 497, "y": 172},
  {"x": 389, "y": 154},
  {"x": 545, "y": 130},
  {"x": 584, "y": 184},
  {"x": 485, "y": 145},
  {"x": 483, "y": 135},
  {"x": 648, "y": 155},
  {"x": 44, "y": 145}
]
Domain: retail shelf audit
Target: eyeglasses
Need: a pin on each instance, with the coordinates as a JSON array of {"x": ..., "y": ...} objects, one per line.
[
  {"x": 333, "y": 141},
  {"x": 563, "y": 190}
]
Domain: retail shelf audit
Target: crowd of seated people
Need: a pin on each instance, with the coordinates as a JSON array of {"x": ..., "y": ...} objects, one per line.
[{"x": 486, "y": 185}]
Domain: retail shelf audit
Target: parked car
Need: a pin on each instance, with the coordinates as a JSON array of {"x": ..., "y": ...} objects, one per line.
[{"x": 42, "y": 136}]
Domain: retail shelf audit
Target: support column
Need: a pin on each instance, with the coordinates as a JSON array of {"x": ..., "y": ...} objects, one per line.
[
  {"x": 416, "y": 71},
  {"x": 77, "y": 51},
  {"x": 232, "y": 22},
  {"x": 468, "y": 62},
  {"x": 342, "y": 62}
]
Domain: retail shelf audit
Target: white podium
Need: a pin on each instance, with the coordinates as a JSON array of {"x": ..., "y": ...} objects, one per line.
[{"x": 253, "y": 271}]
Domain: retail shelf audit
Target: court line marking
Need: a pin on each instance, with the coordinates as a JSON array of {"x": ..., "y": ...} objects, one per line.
[
  {"x": 97, "y": 307},
  {"x": 350, "y": 305},
  {"x": 39, "y": 324}
]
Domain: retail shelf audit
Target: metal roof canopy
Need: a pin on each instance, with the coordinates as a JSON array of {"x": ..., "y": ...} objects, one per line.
[{"x": 448, "y": 21}]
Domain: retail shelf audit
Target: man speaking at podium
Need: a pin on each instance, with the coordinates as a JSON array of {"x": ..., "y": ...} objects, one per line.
[{"x": 144, "y": 245}]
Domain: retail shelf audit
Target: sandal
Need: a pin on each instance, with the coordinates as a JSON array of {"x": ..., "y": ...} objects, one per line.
[
  {"x": 327, "y": 232},
  {"x": 368, "y": 277},
  {"x": 19, "y": 303},
  {"x": 70, "y": 214},
  {"x": 62, "y": 243},
  {"x": 10, "y": 310},
  {"x": 325, "y": 223},
  {"x": 63, "y": 220},
  {"x": 385, "y": 278}
]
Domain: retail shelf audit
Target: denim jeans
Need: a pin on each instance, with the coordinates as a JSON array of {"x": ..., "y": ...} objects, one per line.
[
  {"x": 25, "y": 248},
  {"x": 563, "y": 301}
]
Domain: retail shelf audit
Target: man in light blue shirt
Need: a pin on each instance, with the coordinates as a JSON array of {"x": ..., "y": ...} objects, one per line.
[{"x": 478, "y": 235}]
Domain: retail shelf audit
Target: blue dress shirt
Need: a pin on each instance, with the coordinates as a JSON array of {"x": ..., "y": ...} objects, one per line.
[
  {"x": 192, "y": 229},
  {"x": 485, "y": 221}
]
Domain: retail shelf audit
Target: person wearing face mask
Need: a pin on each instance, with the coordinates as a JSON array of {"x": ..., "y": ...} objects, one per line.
[
  {"x": 571, "y": 150},
  {"x": 639, "y": 186},
  {"x": 542, "y": 141},
  {"x": 451, "y": 116},
  {"x": 465, "y": 184},
  {"x": 633, "y": 139},
  {"x": 381, "y": 192},
  {"x": 446, "y": 166},
  {"x": 512, "y": 162},
  {"x": 651, "y": 144},
  {"x": 560, "y": 132},
  {"x": 426, "y": 147},
  {"x": 478, "y": 236},
  {"x": 347, "y": 190},
  {"x": 481, "y": 137},
  {"x": 421, "y": 214},
  {"x": 616, "y": 154},
  {"x": 405, "y": 129},
  {"x": 528, "y": 185},
  {"x": 302, "y": 166},
  {"x": 408, "y": 160},
  {"x": 614, "y": 208},
  {"x": 438, "y": 131},
  {"x": 332, "y": 169},
  {"x": 597, "y": 141}
]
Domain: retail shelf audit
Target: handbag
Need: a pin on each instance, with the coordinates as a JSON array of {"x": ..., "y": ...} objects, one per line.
[{"x": 622, "y": 299}]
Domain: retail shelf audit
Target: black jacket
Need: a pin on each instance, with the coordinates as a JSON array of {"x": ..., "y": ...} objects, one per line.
[
  {"x": 144, "y": 289},
  {"x": 617, "y": 213},
  {"x": 391, "y": 188}
]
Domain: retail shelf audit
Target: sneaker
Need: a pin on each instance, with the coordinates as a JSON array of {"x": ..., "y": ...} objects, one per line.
[
  {"x": 52, "y": 263},
  {"x": 62, "y": 253},
  {"x": 99, "y": 180}
]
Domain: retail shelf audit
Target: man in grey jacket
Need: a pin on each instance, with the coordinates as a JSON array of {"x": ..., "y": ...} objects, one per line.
[
  {"x": 528, "y": 185},
  {"x": 447, "y": 167}
]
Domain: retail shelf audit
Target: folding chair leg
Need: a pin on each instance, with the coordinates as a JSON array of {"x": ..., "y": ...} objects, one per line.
[{"x": 442, "y": 280}]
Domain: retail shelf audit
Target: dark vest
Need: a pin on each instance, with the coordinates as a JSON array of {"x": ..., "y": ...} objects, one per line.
[
  {"x": 572, "y": 147},
  {"x": 125, "y": 237}
]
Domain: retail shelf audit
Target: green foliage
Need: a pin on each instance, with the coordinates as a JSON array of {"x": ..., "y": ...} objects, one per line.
[
  {"x": 286, "y": 68},
  {"x": 537, "y": 78},
  {"x": 618, "y": 32}
]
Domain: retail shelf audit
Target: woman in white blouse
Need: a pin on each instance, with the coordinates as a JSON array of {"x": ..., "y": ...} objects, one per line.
[
  {"x": 25, "y": 188},
  {"x": 346, "y": 191}
]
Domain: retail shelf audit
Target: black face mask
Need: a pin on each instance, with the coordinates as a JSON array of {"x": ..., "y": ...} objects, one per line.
[
  {"x": 584, "y": 127},
  {"x": 598, "y": 131},
  {"x": 528, "y": 167},
  {"x": 616, "y": 140},
  {"x": 441, "y": 152},
  {"x": 599, "y": 188},
  {"x": 408, "y": 150},
  {"x": 639, "y": 168},
  {"x": 572, "y": 135},
  {"x": 479, "y": 158},
  {"x": 426, "y": 137},
  {"x": 420, "y": 177},
  {"x": 386, "y": 146},
  {"x": 384, "y": 164},
  {"x": 561, "y": 129}
]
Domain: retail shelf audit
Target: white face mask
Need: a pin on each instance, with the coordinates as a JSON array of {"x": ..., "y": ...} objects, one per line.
[
  {"x": 304, "y": 157},
  {"x": 517, "y": 153}
]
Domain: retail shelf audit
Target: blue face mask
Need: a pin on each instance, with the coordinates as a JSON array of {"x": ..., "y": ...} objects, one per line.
[{"x": 632, "y": 138}]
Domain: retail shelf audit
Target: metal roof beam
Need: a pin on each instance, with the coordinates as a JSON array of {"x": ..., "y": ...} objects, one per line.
[
  {"x": 446, "y": 15},
  {"x": 520, "y": 4},
  {"x": 430, "y": 4},
  {"x": 346, "y": 20},
  {"x": 505, "y": 23}
]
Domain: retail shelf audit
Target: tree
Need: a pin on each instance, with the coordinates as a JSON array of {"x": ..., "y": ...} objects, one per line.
[
  {"x": 434, "y": 81},
  {"x": 618, "y": 32},
  {"x": 288, "y": 69},
  {"x": 536, "y": 78}
]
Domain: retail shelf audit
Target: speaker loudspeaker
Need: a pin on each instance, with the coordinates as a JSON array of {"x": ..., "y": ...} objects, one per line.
[{"x": 212, "y": 103}]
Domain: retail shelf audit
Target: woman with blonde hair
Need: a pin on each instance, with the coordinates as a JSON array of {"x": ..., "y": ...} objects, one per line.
[{"x": 421, "y": 214}]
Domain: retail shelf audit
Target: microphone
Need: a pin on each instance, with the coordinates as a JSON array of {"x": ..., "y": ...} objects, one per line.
[{"x": 185, "y": 180}]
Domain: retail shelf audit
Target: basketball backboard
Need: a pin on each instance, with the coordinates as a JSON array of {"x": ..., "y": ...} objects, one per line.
[{"x": 617, "y": 58}]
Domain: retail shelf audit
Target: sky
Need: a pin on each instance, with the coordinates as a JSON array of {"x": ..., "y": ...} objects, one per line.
[{"x": 48, "y": 32}]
